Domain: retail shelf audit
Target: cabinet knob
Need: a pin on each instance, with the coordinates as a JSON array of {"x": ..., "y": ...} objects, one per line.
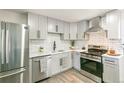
[{"x": 56, "y": 28}]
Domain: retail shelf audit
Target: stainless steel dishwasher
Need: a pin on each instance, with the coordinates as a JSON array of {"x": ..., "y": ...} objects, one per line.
[{"x": 39, "y": 68}]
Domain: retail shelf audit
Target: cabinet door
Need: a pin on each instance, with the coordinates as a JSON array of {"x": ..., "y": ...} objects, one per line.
[
  {"x": 65, "y": 61},
  {"x": 82, "y": 27},
  {"x": 110, "y": 73},
  {"x": 52, "y": 25},
  {"x": 104, "y": 22},
  {"x": 122, "y": 26},
  {"x": 66, "y": 31},
  {"x": 60, "y": 26},
  {"x": 55, "y": 65},
  {"x": 73, "y": 31},
  {"x": 76, "y": 60},
  {"x": 43, "y": 27},
  {"x": 33, "y": 25},
  {"x": 113, "y": 24}
]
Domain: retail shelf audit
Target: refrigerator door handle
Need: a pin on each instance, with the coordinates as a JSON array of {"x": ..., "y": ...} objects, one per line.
[
  {"x": 7, "y": 46},
  {"x": 3, "y": 45},
  {"x": 13, "y": 73}
]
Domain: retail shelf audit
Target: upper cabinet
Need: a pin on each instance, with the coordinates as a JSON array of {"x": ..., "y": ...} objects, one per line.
[
  {"x": 103, "y": 22},
  {"x": 81, "y": 29},
  {"x": 66, "y": 31},
  {"x": 73, "y": 31},
  {"x": 55, "y": 26},
  {"x": 122, "y": 26},
  {"x": 38, "y": 26},
  {"x": 113, "y": 24}
]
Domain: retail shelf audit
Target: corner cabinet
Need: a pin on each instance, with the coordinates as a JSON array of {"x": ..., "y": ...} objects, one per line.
[
  {"x": 73, "y": 31},
  {"x": 61, "y": 62},
  {"x": 55, "y": 26},
  {"x": 82, "y": 27},
  {"x": 38, "y": 26}
]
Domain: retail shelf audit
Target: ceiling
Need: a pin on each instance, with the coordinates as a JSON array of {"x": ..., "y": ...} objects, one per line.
[{"x": 70, "y": 15}]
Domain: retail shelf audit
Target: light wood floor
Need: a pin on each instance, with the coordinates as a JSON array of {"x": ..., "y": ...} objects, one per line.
[{"x": 69, "y": 76}]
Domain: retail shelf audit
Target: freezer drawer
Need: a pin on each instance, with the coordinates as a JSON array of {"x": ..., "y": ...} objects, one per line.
[{"x": 14, "y": 76}]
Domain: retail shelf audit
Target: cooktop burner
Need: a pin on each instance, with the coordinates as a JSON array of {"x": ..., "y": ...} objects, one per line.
[{"x": 96, "y": 52}]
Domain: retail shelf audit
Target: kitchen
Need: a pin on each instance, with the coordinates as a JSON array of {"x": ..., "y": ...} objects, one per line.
[{"x": 63, "y": 46}]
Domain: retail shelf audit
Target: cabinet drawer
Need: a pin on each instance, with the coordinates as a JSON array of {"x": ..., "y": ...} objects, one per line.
[{"x": 108, "y": 60}]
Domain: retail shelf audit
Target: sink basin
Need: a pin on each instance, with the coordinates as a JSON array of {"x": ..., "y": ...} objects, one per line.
[{"x": 58, "y": 51}]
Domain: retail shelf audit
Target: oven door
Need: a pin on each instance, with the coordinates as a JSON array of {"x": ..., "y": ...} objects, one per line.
[{"x": 91, "y": 66}]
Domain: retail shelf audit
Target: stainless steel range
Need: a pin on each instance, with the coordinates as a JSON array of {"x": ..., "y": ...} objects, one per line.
[{"x": 91, "y": 62}]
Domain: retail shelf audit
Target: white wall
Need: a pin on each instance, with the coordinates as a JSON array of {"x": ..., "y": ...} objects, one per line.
[{"x": 13, "y": 17}]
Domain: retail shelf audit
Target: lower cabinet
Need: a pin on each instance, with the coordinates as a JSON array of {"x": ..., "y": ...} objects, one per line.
[
  {"x": 55, "y": 65},
  {"x": 61, "y": 62},
  {"x": 76, "y": 60},
  {"x": 111, "y": 73},
  {"x": 65, "y": 61}
]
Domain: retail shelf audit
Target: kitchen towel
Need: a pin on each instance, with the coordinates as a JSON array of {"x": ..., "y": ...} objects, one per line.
[{"x": 42, "y": 64}]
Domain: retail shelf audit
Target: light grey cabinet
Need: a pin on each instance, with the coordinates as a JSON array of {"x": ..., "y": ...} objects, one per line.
[
  {"x": 55, "y": 65},
  {"x": 110, "y": 70},
  {"x": 76, "y": 60},
  {"x": 55, "y": 26},
  {"x": 73, "y": 31},
  {"x": 52, "y": 25},
  {"x": 42, "y": 27},
  {"x": 81, "y": 29},
  {"x": 38, "y": 26},
  {"x": 61, "y": 62},
  {"x": 65, "y": 61},
  {"x": 60, "y": 26},
  {"x": 110, "y": 74},
  {"x": 113, "y": 24},
  {"x": 66, "y": 31},
  {"x": 122, "y": 26}
]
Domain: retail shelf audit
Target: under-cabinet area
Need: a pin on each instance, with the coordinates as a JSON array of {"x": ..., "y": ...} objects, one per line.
[{"x": 62, "y": 46}]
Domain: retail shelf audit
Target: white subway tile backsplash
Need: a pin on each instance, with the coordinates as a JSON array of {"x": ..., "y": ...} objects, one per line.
[
  {"x": 47, "y": 44},
  {"x": 100, "y": 39}
]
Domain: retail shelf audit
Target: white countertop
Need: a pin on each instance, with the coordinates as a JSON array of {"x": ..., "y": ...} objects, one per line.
[
  {"x": 116, "y": 57},
  {"x": 52, "y": 53}
]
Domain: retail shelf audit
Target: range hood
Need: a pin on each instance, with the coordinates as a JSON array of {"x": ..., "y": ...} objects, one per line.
[{"x": 95, "y": 25}]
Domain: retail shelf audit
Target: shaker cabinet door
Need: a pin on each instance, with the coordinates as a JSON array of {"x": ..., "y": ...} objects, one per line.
[
  {"x": 33, "y": 25},
  {"x": 51, "y": 25},
  {"x": 110, "y": 73},
  {"x": 55, "y": 65},
  {"x": 113, "y": 24},
  {"x": 73, "y": 31},
  {"x": 66, "y": 31},
  {"x": 43, "y": 27},
  {"x": 81, "y": 29}
]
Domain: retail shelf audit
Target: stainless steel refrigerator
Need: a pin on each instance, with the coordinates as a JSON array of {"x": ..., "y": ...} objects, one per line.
[{"x": 13, "y": 53}]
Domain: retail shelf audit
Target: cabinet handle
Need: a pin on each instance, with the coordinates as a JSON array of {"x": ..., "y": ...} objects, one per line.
[
  {"x": 61, "y": 62},
  {"x": 56, "y": 28},
  {"x": 37, "y": 61},
  {"x": 38, "y": 34},
  {"x": 76, "y": 35},
  {"x": 109, "y": 60},
  {"x": 69, "y": 35}
]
